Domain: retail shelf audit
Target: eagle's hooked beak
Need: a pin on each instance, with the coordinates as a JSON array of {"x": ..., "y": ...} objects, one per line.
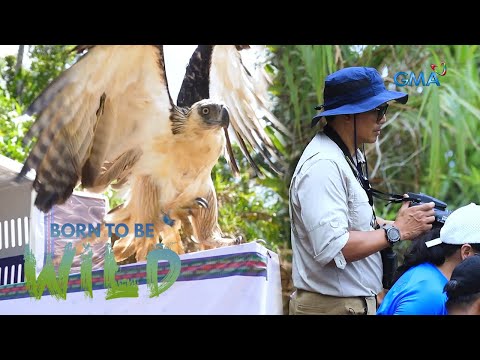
[{"x": 225, "y": 118}]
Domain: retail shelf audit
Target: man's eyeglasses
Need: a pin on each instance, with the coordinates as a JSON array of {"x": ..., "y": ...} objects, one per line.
[{"x": 381, "y": 111}]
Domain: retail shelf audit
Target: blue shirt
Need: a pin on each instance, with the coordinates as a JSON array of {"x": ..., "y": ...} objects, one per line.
[{"x": 419, "y": 291}]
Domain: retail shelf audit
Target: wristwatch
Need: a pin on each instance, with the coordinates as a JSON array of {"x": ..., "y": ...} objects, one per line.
[{"x": 392, "y": 232}]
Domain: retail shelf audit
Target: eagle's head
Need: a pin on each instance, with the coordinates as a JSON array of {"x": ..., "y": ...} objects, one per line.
[{"x": 201, "y": 116}]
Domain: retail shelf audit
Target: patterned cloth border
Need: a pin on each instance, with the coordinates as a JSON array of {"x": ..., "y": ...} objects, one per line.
[{"x": 241, "y": 264}]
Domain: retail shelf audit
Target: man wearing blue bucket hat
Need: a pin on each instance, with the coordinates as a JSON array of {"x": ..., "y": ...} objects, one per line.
[{"x": 336, "y": 238}]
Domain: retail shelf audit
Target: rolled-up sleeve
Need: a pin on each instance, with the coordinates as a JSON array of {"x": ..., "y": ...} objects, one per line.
[{"x": 323, "y": 197}]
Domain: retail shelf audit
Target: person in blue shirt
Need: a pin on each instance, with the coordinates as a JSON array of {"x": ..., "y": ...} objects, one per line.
[{"x": 428, "y": 265}]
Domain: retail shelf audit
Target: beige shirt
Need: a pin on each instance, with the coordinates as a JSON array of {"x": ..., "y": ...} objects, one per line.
[{"x": 327, "y": 201}]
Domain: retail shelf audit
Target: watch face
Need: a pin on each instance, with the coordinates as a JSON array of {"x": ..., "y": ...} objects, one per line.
[{"x": 393, "y": 234}]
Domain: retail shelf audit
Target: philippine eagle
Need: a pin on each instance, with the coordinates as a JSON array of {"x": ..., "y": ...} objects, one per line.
[{"x": 109, "y": 119}]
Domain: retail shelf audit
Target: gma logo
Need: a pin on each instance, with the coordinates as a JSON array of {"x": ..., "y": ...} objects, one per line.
[{"x": 402, "y": 78}]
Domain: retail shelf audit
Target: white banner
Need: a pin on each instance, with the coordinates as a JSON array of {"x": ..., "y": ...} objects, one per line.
[{"x": 242, "y": 279}]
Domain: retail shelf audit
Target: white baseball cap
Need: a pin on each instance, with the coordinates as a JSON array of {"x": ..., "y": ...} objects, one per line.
[{"x": 461, "y": 227}]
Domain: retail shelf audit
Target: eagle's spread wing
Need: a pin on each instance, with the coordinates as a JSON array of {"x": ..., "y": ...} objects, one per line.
[
  {"x": 246, "y": 96},
  {"x": 109, "y": 120},
  {"x": 218, "y": 72},
  {"x": 93, "y": 119}
]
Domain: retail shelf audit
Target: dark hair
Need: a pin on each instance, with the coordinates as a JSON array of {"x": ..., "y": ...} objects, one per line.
[
  {"x": 456, "y": 299},
  {"x": 418, "y": 252},
  {"x": 463, "y": 288}
]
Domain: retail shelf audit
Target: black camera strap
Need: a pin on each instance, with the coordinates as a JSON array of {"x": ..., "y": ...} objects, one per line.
[
  {"x": 389, "y": 257},
  {"x": 359, "y": 172}
]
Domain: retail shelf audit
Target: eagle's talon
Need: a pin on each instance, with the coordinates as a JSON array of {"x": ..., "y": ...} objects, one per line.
[
  {"x": 202, "y": 202},
  {"x": 239, "y": 240}
]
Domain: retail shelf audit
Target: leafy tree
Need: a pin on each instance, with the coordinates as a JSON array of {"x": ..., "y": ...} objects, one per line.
[
  {"x": 251, "y": 207},
  {"x": 19, "y": 87}
]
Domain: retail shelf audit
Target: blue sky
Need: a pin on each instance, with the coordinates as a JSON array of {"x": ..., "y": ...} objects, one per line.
[{"x": 176, "y": 60}]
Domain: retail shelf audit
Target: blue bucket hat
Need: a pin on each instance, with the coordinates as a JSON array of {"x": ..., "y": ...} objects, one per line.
[{"x": 355, "y": 90}]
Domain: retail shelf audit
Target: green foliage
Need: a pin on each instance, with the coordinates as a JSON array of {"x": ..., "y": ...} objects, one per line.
[
  {"x": 300, "y": 73},
  {"x": 433, "y": 140},
  {"x": 19, "y": 89},
  {"x": 12, "y": 129},
  {"x": 252, "y": 207},
  {"x": 429, "y": 145}
]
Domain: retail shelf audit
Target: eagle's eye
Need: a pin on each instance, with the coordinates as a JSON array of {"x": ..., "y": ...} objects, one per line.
[{"x": 205, "y": 111}]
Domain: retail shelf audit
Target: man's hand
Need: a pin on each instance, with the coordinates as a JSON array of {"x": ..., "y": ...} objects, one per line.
[
  {"x": 414, "y": 221},
  {"x": 382, "y": 222}
]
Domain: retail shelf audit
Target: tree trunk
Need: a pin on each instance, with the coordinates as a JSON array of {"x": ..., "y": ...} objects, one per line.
[{"x": 18, "y": 68}]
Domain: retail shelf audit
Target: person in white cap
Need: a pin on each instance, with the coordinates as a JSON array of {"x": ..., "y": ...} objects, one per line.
[{"x": 429, "y": 264}]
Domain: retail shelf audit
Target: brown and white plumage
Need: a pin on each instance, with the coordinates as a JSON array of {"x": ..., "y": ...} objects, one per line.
[
  {"x": 249, "y": 108},
  {"x": 77, "y": 131},
  {"x": 110, "y": 120}
]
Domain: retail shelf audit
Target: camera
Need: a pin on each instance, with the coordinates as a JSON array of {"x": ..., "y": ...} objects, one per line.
[
  {"x": 389, "y": 257},
  {"x": 440, "y": 209}
]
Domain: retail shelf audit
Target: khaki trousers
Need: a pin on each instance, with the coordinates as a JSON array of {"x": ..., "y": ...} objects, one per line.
[{"x": 308, "y": 303}]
